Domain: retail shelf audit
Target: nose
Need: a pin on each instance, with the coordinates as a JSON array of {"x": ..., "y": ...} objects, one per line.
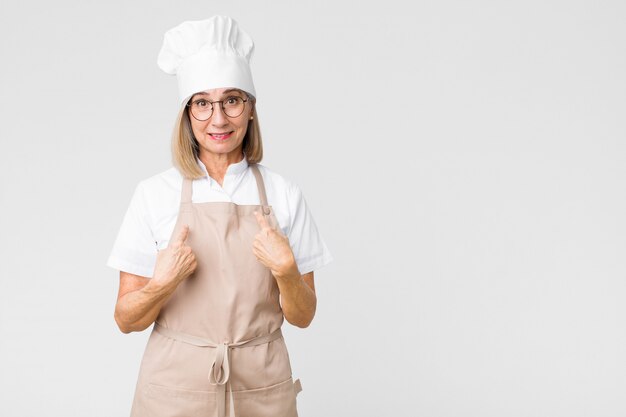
[{"x": 218, "y": 118}]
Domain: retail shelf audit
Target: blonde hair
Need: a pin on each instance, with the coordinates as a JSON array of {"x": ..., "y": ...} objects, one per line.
[{"x": 185, "y": 147}]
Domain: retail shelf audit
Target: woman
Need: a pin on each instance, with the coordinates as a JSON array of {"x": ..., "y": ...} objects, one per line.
[{"x": 204, "y": 256}]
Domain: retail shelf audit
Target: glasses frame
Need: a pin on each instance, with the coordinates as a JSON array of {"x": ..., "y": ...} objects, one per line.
[{"x": 245, "y": 100}]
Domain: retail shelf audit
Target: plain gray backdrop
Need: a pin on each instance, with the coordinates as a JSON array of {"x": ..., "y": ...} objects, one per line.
[{"x": 465, "y": 162}]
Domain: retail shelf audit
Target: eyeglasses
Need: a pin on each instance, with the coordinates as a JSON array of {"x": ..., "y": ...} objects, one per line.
[{"x": 202, "y": 109}]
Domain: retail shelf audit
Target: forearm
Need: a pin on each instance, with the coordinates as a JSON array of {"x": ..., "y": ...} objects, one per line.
[
  {"x": 137, "y": 310},
  {"x": 298, "y": 300}
]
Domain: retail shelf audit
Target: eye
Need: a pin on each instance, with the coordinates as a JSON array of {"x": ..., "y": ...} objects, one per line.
[
  {"x": 202, "y": 103},
  {"x": 232, "y": 100}
]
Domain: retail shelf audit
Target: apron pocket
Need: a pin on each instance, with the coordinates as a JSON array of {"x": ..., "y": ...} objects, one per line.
[
  {"x": 178, "y": 402},
  {"x": 277, "y": 400}
]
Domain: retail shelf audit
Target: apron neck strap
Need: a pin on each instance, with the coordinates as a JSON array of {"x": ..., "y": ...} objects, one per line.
[
  {"x": 186, "y": 192},
  {"x": 260, "y": 185}
]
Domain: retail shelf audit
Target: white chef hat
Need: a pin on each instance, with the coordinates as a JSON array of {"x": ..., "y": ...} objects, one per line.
[{"x": 206, "y": 54}]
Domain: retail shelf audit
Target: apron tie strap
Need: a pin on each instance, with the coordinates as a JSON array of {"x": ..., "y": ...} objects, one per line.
[{"x": 219, "y": 374}]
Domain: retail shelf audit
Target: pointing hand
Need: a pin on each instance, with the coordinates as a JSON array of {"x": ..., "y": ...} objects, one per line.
[
  {"x": 177, "y": 261},
  {"x": 272, "y": 249}
]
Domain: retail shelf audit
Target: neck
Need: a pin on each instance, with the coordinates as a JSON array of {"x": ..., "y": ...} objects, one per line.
[{"x": 217, "y": 163}]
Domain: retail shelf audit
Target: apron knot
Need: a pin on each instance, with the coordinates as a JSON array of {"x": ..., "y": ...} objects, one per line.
[{"x": 220, "y": 370}]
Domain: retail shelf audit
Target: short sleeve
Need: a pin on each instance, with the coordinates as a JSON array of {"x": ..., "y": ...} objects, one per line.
[
  {"x": 135, "y": 250},
  {"x": 307, "y": 244}
]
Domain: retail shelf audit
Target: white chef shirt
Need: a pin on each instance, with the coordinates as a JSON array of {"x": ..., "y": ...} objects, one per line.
[{"x": 153, "y": 210}]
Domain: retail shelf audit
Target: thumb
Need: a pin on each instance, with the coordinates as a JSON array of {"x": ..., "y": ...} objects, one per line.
[{"x": 182, "y": 235}]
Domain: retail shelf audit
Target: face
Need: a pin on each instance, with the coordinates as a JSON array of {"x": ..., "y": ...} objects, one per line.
[{"x": 221, "y": 134}]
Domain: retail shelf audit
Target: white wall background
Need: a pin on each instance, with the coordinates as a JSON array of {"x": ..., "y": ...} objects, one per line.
[{"x": 465, "y": 162}]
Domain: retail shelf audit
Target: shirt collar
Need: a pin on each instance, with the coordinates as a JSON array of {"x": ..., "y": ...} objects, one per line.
[{"x": 233, "y": 169}]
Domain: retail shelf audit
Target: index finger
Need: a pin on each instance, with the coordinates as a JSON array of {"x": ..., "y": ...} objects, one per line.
[
  {"x": 182, "y": 235},
  {"x": 262, "y": 220}
]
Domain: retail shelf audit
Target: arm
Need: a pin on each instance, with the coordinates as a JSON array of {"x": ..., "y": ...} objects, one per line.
[
  {"x": 140, "y": 299},
  {"x": 298, "y": 299},
  {"x": 297, "y": 292},
  {"x": 139, "y": 302}
]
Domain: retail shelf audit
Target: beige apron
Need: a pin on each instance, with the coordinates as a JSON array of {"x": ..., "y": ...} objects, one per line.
[{"x": 216, "y": 344}]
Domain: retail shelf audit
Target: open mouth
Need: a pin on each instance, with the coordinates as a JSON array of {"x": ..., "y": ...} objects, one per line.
[{"x": 221, "y": 136}]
